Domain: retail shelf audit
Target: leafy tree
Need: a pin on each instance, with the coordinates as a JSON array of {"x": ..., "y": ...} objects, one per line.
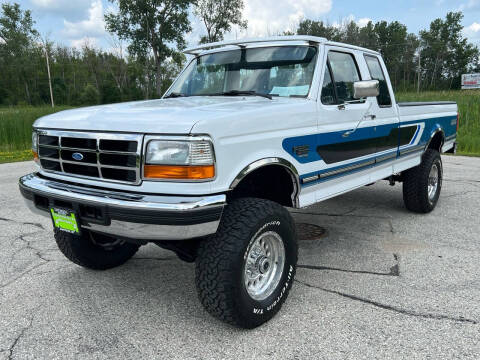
[
  {"x": 110, "y": 93},
  {"x": 17, "y": 35},
  {"x": 367, "y": 36},
  {"x": 16, "y": 29},
  {"x": 151, "y": 25},
  {"x": 92, "y": 76},
  {"x": 90, "y": 96},
  {"x": 218, "y": 17},
  {"x": 392, "y": 40},
  {"x": 445, "y": 53},
  {"x": 350, "y": 33},
  {"x": 319, "y": 28}
]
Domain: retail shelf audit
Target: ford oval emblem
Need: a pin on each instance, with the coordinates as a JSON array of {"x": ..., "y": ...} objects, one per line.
[{"x": 77, "y": 156}]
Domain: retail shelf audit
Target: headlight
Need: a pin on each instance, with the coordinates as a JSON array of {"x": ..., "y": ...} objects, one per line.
[
  {"x": 35, "y": 147},
  {"x": 34, "y": 141},
  {"x": 180, "y": 160}
]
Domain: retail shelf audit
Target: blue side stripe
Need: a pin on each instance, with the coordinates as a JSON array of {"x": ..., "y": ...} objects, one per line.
[
  {"x": 320, "y": 172},
  {"x": 368, "y": 165},
  {"x": 314, "y": 140}
]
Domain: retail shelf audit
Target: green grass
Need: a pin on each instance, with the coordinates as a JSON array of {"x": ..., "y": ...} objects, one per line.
[
  {"x": 469, "y": 108},
  {"x": 16, "y": 125},
  {"x": 15, "y": 156}
]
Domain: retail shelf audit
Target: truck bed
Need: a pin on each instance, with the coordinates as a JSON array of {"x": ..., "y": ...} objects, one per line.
[{"x": 430, "y": 117}]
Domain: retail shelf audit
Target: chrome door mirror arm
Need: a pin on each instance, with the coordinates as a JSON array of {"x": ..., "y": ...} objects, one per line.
[{"x": 364, "y": 117}]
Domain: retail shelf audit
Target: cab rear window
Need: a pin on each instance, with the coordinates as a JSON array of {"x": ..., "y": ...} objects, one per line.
[{"x": 376, "y": 73}]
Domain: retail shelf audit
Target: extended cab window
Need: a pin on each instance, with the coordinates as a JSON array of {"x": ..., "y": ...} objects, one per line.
[
  {"x": 376, "y": 73},
  {"x": 345, "y": 73}
]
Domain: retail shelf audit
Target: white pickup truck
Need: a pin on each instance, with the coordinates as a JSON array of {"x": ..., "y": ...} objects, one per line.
[{"x": 248, "y": 128}]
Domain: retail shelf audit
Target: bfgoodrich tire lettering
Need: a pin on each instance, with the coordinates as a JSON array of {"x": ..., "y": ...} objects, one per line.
[
  {"x": 221, "y": 262},
  {"x": 417, "y": 180}
]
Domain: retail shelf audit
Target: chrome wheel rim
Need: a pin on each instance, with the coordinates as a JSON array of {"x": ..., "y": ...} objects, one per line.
[
  {"x": 433, "y": 180},
  {"x": 264, "y": 265}
]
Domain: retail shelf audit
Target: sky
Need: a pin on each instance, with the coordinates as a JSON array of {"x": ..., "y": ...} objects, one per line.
[{"x": 74, "y": 22}]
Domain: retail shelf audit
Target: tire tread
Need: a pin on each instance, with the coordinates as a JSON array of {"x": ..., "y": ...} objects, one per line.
[
  {"x": 416, "y": 181},
  {"x": 214, "y": 276},
  {"x": 90, "y": 257}
]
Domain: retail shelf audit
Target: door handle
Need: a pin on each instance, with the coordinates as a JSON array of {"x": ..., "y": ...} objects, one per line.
[{"x": 365, "y": 117}]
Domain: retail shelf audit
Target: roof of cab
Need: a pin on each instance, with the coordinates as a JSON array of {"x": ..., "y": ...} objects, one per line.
[{"x": 197, "y": 50}]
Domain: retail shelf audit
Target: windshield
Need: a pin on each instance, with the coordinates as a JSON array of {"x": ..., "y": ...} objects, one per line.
[{"x": 276, "y": 71}]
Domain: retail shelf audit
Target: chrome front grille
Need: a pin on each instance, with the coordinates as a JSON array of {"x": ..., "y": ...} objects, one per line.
[{"x": 105, "y": 156}]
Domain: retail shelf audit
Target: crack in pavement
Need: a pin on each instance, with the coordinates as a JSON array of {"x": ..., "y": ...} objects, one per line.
[
  {"x": 38, "y": 225},
  {"x": 390, "y": 307},
  {"x": 38, "y": 254},
  {"x": 8, "y": 283},
  {"x": 460, "y": 194},
  {"x": 28, "y": 245},
  {"x": 156, "y": 259},
  {"x": 12, "y": 347},
  {"x": 394, "y": 270},
  {"x": 348, "y": 214},
  {"x": 54, "y": 270},
  {"x": 463, "y": 180},
  {"x": 474, "y": 183}
]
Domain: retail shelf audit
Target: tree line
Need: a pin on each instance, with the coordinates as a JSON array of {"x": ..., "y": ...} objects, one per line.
[
  {"x": 434, "y": 59},
  {"x": 148, "y": 35}
]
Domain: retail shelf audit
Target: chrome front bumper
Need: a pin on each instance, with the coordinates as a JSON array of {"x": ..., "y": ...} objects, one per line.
[{"x": 124, "y": 214}]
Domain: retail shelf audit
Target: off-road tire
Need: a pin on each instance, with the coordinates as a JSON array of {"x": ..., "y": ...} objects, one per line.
[
  {"x": 221, "y": 260},
  {"x": 82, "y": 251},
  {"x": 415, "y": 184}
]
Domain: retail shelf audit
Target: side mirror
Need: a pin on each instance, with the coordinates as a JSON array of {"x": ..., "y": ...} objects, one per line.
[{"x": 366, "y": 88}]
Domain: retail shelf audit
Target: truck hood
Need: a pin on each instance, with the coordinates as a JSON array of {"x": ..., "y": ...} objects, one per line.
[{"x": 163, "y": 116}]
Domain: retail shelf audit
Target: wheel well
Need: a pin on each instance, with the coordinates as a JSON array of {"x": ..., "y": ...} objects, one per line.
[
  {"x": 436, "y": 142},
  {"x": 271, "y": 182}
]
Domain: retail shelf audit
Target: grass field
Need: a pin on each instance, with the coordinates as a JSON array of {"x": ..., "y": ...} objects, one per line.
[
  {"x": 469, "y": 108},
  {"x": 16, "y": 130},
  {"x": 16, "y": 123}
]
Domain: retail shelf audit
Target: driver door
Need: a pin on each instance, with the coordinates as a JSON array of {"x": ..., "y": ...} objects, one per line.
[{"x": 346, "y": 127}]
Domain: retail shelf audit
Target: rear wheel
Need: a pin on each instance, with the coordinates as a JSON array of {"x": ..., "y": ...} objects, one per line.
[
  {"x": 245, "y": 271},
  {"x": 422, "y": 184},
  {"x": 94, "y": 251}
]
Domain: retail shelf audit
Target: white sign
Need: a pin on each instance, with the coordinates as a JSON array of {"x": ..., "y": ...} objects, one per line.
[{"x": 470, "y": 81}]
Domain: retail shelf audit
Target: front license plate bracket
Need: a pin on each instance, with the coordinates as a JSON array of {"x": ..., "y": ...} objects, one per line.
[{"x": 65, "y": 220}]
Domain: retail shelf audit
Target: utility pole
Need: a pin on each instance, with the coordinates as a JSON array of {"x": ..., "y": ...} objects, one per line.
[
  {"x": 49, "y": 77},
  {"x": 419, "y": 70}
]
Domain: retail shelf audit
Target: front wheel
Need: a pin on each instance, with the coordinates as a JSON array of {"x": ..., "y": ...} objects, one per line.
[
  {"x": 245, "y": 271},
  {"x": 423, "y": 183},
  {"x": 94, "y": 251}
]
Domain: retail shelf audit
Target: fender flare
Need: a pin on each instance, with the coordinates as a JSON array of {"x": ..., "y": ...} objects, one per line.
[
  {"x": 437, "y": 130},
  {"x": 271, "y": 161}
]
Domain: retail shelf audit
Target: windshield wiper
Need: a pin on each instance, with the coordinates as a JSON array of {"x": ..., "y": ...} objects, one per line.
[
  {"x": 242, "y": 92},
  {"x": 175, "y": 95}
]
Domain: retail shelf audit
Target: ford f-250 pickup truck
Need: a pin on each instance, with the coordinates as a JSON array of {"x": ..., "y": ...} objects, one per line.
[{"x": 248, "y": 128}]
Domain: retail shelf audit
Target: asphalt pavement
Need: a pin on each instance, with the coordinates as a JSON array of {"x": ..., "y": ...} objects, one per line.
[{"x": 382, "y": 283}]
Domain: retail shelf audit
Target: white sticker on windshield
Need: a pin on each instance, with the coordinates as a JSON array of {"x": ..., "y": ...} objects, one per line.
[{"x": 290, "y": 90}]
